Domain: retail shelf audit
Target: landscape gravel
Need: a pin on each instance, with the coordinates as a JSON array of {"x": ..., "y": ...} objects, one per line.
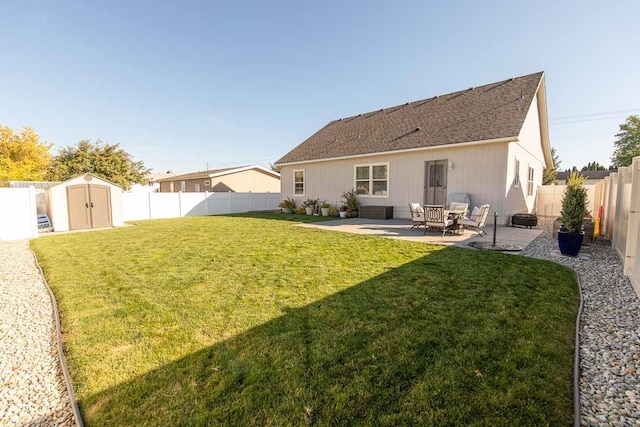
[
  {"x": 609, "y": 332},
  {"x": 32, "y": 392}
]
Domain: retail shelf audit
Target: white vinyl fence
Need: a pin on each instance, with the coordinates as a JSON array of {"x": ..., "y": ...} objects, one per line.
[
  {"x": 18, "y": 216},
  {"x": 138, "y": 206}
]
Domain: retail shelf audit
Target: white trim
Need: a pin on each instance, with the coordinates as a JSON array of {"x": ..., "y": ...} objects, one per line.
[
  {"x": 304, "y": 182},
  {"x": 408, "y": 150},
  {"x": 370, "y": 166}
]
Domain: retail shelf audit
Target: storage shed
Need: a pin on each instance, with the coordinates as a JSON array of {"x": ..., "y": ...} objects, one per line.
[{"x": 85, "y": 202}]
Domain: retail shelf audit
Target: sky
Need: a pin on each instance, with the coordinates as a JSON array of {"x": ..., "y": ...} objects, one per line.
[{"x": 188, "y": 86}]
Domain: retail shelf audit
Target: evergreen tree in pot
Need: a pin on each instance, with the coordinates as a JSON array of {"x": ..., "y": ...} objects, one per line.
[{"x": 574, "y": 207}]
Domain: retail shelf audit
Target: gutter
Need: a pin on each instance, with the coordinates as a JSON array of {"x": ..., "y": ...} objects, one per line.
[{"x": 63, "y": 364}]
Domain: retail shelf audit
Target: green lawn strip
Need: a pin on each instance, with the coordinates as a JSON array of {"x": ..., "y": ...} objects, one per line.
[{"x": 249, "y": 320}]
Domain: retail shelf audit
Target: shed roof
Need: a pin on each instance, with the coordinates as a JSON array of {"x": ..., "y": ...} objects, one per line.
[{"x": 488, "y": 112}]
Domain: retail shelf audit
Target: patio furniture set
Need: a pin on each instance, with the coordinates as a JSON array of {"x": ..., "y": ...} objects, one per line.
[{"x": 454, "y": 219}]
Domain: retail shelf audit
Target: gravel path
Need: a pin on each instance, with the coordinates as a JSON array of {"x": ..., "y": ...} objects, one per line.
[
  {"x": 609, "y": 333},
  {"x": 32, "y": 392}
]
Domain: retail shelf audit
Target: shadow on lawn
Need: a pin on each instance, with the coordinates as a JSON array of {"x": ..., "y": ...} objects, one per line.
[{"x": 393, "y": 350}]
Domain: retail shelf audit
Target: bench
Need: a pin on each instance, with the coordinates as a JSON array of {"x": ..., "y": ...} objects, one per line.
[{"x": 376, "y": 212}]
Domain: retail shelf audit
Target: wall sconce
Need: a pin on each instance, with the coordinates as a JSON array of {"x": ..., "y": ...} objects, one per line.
[{"x": 451, "y": 165}]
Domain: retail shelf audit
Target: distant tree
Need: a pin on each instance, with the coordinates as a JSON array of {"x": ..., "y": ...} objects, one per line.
[
  {"x": 100, "y": 159},
  {"x": 627, "y": 144},
  {"x": 595, "y": 166},
  {"x": 22, "y": 156},
  {"x": 275, "y": 168},
  {"x": 550, "y": 176}
]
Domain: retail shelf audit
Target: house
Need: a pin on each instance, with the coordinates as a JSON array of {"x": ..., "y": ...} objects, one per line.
[
  {"x": 152, "y": 184},
  {"x": 84, "y": 202},
  {"x": 490, "y": 142},
  {"x": 591, "y": 177},
  {"x": 244, "y": 179}
]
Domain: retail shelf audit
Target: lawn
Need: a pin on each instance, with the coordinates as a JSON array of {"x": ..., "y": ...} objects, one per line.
[{"x": 250, "y": 320}]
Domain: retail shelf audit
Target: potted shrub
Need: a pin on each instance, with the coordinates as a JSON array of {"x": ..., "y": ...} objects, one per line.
[
  {"x": 351, "y": 202},
  {"x": 287, "y": 205},
  {"x": 574, "y": 208},
  {"x": 343, "y": 211},
  {"x": 325, "y": 208},
  {"x": 310, "y": 205}
]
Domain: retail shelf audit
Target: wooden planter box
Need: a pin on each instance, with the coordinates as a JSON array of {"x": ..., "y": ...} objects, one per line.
[{"x": 376, "y": 212}]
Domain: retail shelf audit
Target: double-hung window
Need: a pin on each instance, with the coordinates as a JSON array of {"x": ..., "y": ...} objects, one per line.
[
  {"x": 372, "y": 180},
  {"x": 298, "y": 182},
  {"x": 530, "y": 182}
]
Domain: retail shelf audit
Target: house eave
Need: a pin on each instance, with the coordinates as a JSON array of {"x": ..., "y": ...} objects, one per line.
[{"x": 410, "y": 150}]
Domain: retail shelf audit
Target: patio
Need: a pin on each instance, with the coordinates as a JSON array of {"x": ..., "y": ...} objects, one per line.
[{"x": 401, "y": 229}]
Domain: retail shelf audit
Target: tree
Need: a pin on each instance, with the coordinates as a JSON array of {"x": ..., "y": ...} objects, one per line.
[
  {"x": 595, "y": 166},
  {"x": 100, "y": 159},
  {"x": 275, "y": 168},
  {"x": 22, "y": 156},
  {"x": 627, "y": 144},
  {"x": 550, "y": 176}
]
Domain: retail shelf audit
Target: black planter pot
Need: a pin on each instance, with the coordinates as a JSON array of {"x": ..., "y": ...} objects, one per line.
[{"x": 570, "y": 243}]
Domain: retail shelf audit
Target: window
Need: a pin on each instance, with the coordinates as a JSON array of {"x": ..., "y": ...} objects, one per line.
[
  {"x": 298, "y": 183},
  {"x": 516, "y": 179},
  {"x": 530, "y": 182},
  {"x": 183, "y": 186},
  {"x": 207, "y": 183},
  {"x": 372, "y": 180}
]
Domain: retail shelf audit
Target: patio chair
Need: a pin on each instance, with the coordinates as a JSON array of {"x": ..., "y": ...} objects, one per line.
[
  {"x": 435, "y": 218},
  {"x": 477, "y": 219},
  {"x": 417, "y": 215}
]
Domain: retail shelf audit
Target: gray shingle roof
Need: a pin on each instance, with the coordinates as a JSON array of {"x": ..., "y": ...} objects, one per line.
[
  {"x": 482, "y": 113},
  {"x": 197, "y": 175}
]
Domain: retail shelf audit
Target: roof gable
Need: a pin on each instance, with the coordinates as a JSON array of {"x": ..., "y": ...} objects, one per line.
[{"x": 488, "y": 112}]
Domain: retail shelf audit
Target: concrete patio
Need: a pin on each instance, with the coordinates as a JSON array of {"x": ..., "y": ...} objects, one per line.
[{"x": 401, "y": 229}]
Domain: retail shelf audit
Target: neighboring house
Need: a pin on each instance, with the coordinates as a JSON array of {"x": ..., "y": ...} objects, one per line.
[
  {"x": 490, "y": 142},
  {"x": 242, "y": 179},
  {"x": 591, "y": 177},
  {"x": 153, "y": 184}
]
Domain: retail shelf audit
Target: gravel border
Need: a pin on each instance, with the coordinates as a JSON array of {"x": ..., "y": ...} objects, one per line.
[
  {"x": 34, "y": 391},
  {"x": 609, "y": 332}
]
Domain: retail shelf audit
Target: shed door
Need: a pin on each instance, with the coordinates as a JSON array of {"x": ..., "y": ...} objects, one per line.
[
  {"x": 89, "y": 206},
  {"x": 100, "y": 206},
  {"x": 435, "y": 189},
  {"x": 78, "y": 203}
]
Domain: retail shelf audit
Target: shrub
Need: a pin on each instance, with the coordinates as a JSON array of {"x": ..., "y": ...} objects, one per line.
[{"x": 574, "y": 203}]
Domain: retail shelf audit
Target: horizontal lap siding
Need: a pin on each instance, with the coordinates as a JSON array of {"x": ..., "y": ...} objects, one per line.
[{"x": 478, "y": 170}]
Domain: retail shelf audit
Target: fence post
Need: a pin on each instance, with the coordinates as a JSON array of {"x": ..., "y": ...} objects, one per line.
[
  {"x": 633, "y": 230},
  {"x": 180, "y": 204},
  {"x": 268, "y": 200},
  {"x": 206, "y": 203},
  {"x": 149, "y": 205},
  {"x": 229, "y": 204},
  {"x": 250, "y": 201},
  {"x": 33, "y": 211}
]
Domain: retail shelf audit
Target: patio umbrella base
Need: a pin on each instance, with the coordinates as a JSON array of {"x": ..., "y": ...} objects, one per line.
[{"x": 497, "y": 246}]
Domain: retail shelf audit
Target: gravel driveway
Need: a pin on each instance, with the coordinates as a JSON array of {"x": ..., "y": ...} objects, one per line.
[{"x": 32, "y": 392}]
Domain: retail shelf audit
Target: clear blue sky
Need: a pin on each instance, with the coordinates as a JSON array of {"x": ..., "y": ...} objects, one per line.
[{"x": 182, "y": 84}]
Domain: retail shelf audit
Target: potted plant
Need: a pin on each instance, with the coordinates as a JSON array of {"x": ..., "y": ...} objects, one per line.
[
  {"x": 351, "y": 202},
  {"x": 287, "y": 205},
  {"x": 574, "y": 208},
  {"x": 325, "y": 207},
  {"x": 310, "y": 205},
  {"x": 343, "y": 211}
]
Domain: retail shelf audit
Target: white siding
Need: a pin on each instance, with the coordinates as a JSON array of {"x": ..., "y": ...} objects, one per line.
[
  {"x": 528, "y": 150},
  {"x": 478, "y": 170}
]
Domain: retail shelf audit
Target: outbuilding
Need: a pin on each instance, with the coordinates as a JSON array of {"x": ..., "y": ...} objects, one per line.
[{"x": 85, "y": 202}]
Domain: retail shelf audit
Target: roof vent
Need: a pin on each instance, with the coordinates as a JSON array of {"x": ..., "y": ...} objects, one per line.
[
  {"x": 359, "y": 115},
  {"x": 471, "y": 88},
  {"x": 417, "y": 129},
  {"x": 512, "y": 79},
  {"x": 521, "y": 94}
]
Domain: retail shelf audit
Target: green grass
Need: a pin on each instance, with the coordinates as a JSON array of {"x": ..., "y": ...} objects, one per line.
[{"x": 249, "y": 320}]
